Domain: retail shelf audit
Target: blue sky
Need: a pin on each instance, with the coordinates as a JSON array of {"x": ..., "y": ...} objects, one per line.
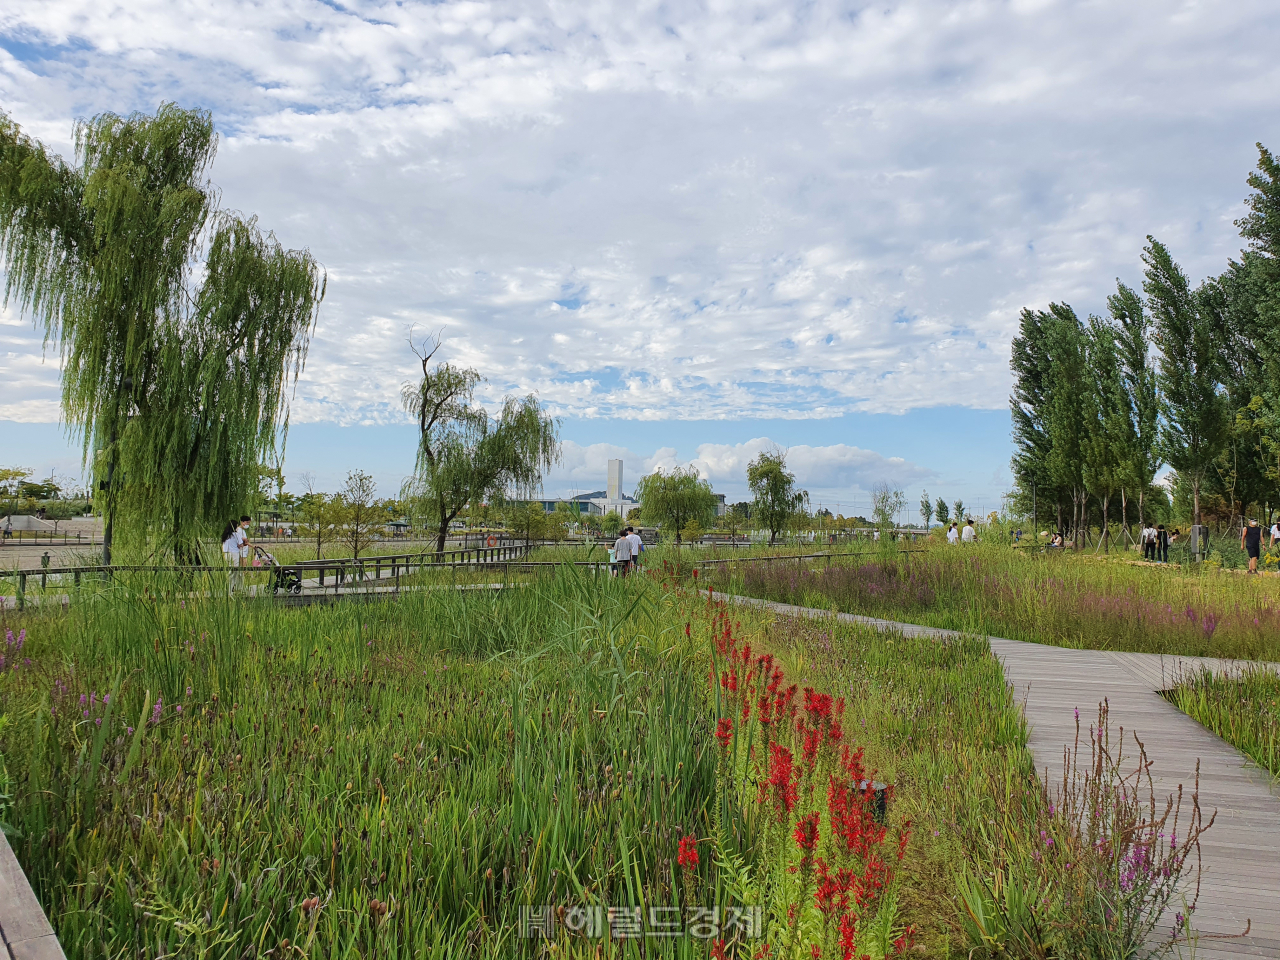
[{"x": 694, "y": 230}]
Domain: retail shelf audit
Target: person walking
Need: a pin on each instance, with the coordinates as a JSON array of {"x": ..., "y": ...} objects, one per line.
[
  {"x": 1162, "y": 544},
  {"x": 970, "y": 534},
  {"x": 8, "y": 528},
  {"x": 953, "y": 535},
  {"x": 1148, "y": 540},
  {"x": 1251, "y": 543},
  {"x": 231, "y": 550},
  {"x": 637, "y": 547},
  {"x": 622, "y": 554},
  {"x": 1275, "y": 533}
]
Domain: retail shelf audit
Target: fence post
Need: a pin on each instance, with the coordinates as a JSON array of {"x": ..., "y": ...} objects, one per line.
[{"x": 22, "y": 591}]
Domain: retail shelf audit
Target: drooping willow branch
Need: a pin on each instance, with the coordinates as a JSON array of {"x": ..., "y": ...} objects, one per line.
[{"x": 180, "y": 326}]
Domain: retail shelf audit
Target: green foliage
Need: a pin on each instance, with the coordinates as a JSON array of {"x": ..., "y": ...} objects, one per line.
[
  {"x": 943, "y": 512},
  {"x": 174, "y": 366},
  {"x": 466, "y": 456},
  {"x": 775, "y": 499},
  {"x": 1195, "y": 424},
  {"x": 1244, "y": 710},
  {"x": 611, "y": 524},
  {"x": 671, "y": 500}
]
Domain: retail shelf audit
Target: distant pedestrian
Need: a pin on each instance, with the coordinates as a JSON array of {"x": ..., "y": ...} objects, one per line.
[
  {"x": 970, "y": 534},
  {"x": 231, "y": 550},
  {"x": 1275, "y": 533},
  {"x": 622, "y": 554},
  {"x": 1251, "y": 543},
  {"x": 1148, "y": 540},
  {"x": 637, "y": 546},
  {"x": 8, "y": 528},
  {"x": 953, "y": 535},
  {"x": 1162, "y": 543}
]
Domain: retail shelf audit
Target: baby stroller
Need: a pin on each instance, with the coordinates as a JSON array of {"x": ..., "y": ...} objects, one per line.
[{"x": 290, "y": 581}]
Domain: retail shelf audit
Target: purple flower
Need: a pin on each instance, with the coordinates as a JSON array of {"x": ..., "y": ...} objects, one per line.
[
  {"x": 129, "y": 730},
  {"x": 178, "y": 708},
  {"x": 188, "y": 691},
  {"x": 106, "y": 698},
  {"x": 83, "y": 699}
]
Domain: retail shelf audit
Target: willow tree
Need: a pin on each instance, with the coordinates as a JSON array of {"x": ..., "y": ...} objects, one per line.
[
  {"x": 464, "y": 454},
  {"x": 179, "y": 325}
]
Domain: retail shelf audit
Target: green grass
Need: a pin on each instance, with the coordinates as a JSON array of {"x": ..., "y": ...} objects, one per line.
[
  {"x": 1064, "y": 599},
  {"x": 397, "y": 778},
  {"x": 1243, "y": 710}
]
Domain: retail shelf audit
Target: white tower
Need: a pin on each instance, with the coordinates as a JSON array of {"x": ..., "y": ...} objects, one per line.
[{"x": 615, "y": 480}]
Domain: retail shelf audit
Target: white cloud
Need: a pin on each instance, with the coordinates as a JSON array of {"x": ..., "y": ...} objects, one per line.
[{"x": 721, "y": 211}]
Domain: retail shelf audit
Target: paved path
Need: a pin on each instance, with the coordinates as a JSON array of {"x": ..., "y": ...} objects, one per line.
[{"x": 1240, "y": 853}]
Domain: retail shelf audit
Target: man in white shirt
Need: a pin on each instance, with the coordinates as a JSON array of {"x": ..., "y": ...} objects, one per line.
[
  {"x": 637, "y": 546},
  {"x": 1148, "y": 540},
  {"x": 1275, "y": 533},
  {"x": 969, "y": 535},
  {"x": 953, "y": 536},
  {"x": 622, "y": 554}
]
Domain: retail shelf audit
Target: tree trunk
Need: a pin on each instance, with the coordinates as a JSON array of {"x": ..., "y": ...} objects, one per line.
[{"x": 1195, "y": 494}]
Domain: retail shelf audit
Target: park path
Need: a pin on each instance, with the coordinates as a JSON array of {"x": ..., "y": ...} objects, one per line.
[{"x": 1240, "y": 854}]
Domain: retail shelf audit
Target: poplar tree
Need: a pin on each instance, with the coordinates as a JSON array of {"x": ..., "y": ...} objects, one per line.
[
  {"x": 1109, "y": 437},
  {"x": 175, "y": 365},
  {"x": 1196, "y": 416},
  {"x": 1133, "y": 326}
]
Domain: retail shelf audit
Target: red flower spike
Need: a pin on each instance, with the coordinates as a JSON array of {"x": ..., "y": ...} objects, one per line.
[
  {"x": 724, "y": 732},
  {"x": 687, "y": 856},
  {"x": 806, "y": 833}
]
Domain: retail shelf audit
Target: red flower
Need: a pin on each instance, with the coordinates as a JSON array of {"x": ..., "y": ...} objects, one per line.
[
  {"x": 688, "y": 854},
  {"x": 780, "y": 781},
  {"x": 806, "y": 832},
  {"x": 848, "y": 935},
  {"x": 724, "y": 732}
]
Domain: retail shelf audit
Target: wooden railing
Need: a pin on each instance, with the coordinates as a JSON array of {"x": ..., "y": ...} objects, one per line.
[{"x": 289, "y": 579}]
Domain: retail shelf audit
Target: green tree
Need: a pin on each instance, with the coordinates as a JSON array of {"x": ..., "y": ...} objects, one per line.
[
  {"x": 775, "y": 499},
  {"x": 886, "y": 501},
  {"x": 1030, "y": 402},
  {"x": 174, "y": 368},
  {"x": 734, "y": 519},
  {"x": 1133, "y": 337},
  {"x": 319, "y": 516},
  {"x": 671, "y": 500},
  {"x": 943, "y": 511},
  {"x": 464, "y": 455},
  {"x": 1196, "y": 414},
  {"x": 612, "y": 524},
  {"x": 361, "y": 517},
  {"x": 693, "y": 531},
  {"x": 1109, "y": 435},
  {"x": 926, "y": 509},
  {"x": 958, "y": 511}
]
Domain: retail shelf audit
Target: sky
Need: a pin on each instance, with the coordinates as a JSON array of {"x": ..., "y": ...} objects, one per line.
[{"x": 695, "y": 230}]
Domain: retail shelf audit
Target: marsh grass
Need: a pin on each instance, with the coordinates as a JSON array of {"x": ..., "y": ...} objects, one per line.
[
  {"x": 1067, "y": 600},
  {"x": 1244, "y": 710},
  {"x": 193, "y": 773}
]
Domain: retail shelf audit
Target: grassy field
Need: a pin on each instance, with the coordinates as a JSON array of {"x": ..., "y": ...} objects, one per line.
[
  {"x": 199, "y": 777},
  {"x": 1068, "y": 600}
]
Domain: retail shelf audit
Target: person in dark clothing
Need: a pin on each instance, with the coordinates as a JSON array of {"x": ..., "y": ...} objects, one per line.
[
  {"x": 1162, "y": 543},
  {"x": 1251, "y": 543}
]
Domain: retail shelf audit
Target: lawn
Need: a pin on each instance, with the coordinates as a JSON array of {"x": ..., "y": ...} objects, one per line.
[{"x": 439, "y": 774}]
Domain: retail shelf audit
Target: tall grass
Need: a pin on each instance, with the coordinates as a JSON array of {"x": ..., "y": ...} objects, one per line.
[
  {"x": 193, "y": 773},
  {"x": 1066, "y": 600},
  {"x": 1244, "y": 710}
]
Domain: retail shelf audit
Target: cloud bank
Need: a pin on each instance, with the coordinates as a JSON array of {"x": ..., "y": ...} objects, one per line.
[{"x": 717, "y": 211}]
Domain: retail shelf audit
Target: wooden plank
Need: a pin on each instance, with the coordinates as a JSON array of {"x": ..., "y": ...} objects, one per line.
[{"x": 23, "y": 925}]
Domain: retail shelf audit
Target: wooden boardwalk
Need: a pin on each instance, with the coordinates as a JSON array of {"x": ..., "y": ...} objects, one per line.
[{"x": 1240, "y": 854}]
